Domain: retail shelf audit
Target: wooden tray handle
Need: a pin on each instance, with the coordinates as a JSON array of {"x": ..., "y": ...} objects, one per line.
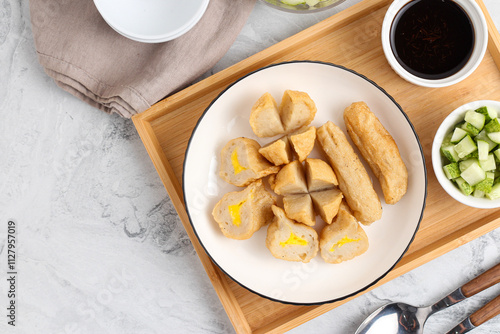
[
  {"x": 482, "y": 282},
  {"x": 486, "y": 312}
]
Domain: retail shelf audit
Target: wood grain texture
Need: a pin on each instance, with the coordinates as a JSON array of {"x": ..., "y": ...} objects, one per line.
[
  {"x": 482, "y": 282},
  {"x": 350, "y": 38},
  {"x": 487, "y": 312}
]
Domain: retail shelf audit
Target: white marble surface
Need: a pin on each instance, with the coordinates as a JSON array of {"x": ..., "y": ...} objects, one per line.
[{"x": 100, "y": 248}]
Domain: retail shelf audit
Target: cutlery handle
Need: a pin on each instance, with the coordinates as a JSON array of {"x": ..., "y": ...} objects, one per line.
[
  {"x": 486, "y": 312},
  {"x": 478, "y": 284},
  {"x": 482, "y": 282},
  {"x": 479, "y": 317}
]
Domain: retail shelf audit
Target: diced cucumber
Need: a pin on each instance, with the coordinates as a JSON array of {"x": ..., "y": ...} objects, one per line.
[
  {"x": 489, "y": 163},
  {"x": 473, "y": 151},
  {"x": 472, "y": 155},
  {"x": 470, "y": 128},
  {"x": 458, "y": 134},
  {"x": 476, "y": 119},
  {"x": 492, "y": 126},
  {"x": 494, "y": 136},
  {"x": 293, "y": 2},
  {"x": 465, "y": 147},
  {"x": 450, "y": 153},
  {"x": 485, "y": 185},
  {"x": 497, "y": 153},
  {"x": 447, "y": 149},
  {"x": 484, "y": 136},
  {"x": 482, "y": 149},
  {"x": 478, "y": 193},
  {"x": 495, "y": 192},
  {"x": 452, "y": 171},
  {"x": 487, "y": 112},
  {"x": 464, "y": 164},
  {"x": 466, "y": 188},
  {"x": 473, "y": 174}
]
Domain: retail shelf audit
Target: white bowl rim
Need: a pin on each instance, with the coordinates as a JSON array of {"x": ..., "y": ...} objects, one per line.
[
  {"x": 437, "y": 159},
  {"x": 157, "y": 38},
  {"x": 478, "y": 20}
]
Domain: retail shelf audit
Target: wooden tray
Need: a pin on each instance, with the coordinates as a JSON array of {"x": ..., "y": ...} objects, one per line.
[{"x": 352, "y": 39}]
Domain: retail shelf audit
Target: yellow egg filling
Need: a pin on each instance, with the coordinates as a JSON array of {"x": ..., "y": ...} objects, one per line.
[
  {"x": 342, "y": 242},
  {"x": 294, "y": 240},
  {"x": 236, "y": 163},
  {"x": 234, "y": 212}
]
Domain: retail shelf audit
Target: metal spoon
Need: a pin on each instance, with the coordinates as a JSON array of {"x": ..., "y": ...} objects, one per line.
[{"x": 400, "y": 318}]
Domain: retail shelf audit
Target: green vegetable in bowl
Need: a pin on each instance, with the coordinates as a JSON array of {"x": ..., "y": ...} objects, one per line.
[
  {"x": 310, "y": 3},
  {"x": 473, "y": 155}
]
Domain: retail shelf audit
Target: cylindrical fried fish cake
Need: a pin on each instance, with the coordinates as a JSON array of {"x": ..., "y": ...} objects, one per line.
[
  {"x": 354, "y": 181},
  {"x": 379, "y": 149}
]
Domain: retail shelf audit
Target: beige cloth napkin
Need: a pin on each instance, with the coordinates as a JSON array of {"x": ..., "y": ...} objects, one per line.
[{"x": 90, "y": 60}]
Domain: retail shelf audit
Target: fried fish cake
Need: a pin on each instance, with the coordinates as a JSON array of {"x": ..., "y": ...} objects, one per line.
[
  {"x": 265, "y": 117},
  {"x": 303, "y": 141},
  {"x": 379, "y": 149},
  {"x": 354, "y": 181},
  {"x": 343, "y": 240},
  {"x": 289, "y": 240},
  {"x": 241, "y": 162},
  {"x": 299, "y": 207},
  {"x": 297, "y": 109},
  {"x": 278, "y": 152},
  {"x": 241, "y": 213}
]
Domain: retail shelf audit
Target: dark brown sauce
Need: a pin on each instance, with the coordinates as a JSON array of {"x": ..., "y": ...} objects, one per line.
[{"x": 432, "y": 39}]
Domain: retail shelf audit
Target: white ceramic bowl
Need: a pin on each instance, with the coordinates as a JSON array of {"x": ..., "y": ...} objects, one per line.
[
  {"x": 151, "y": 21},
  {"x": 438, "y": 161},
  {"x": 481, "y": 42}
]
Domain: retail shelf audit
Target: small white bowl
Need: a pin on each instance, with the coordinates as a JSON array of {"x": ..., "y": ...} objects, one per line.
[
  {"x": 480, "y": 44},
  {"x": 438, "y": 161},
  {"x": 151, "y": 21}
]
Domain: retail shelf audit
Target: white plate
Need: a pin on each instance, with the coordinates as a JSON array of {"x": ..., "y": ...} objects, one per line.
[
  {"x": 249, "y": 262},
  {"x": 152, "y": 21}
]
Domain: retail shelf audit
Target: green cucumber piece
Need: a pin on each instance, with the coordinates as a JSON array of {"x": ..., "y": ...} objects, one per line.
[
  {"x": 488, "y": 163},
  {"x": 293, "y": 2},
  {"x": 476, "y": 119},
  {"x": 473, "y": 131},
  {"x": 487, "y": 112},
  {"x": 486, "y": 184},
  {"x": 447, "y": 149},
  {"x": 472, "y": 155},
  {"x": 492, "y": 126},
  {"x": 465, "y": 147},
  {"x": 473, "y": 174},
  {"x": 482, "y": 149},
  {"x": 451, "y": 171},
  {"x": 450, "y": 153},
  {"x": 495, "y": 192},
  {"x": 494, "y": 136},
  {"x": 458, "y": 134},
  {"x": 497, "y": 153},
  {"x": 464, "y": 164},
  {"x": 312, "y": 3},
  {"x": 466, "y": 188},
  {"x": 484, "y": 136},
  {"x": 478, "y": 193}
]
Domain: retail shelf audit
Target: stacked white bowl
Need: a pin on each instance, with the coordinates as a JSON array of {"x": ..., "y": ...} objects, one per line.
[{"x": 151, "y": 21}]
